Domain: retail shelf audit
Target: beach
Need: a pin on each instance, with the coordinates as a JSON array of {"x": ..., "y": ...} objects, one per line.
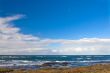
[{"x": 98, "y": 68}]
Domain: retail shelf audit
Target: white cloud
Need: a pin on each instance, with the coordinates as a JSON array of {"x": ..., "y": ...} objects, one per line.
[
  {"x": 84, "y": 46},
  {"x": 14, "y": 42}
]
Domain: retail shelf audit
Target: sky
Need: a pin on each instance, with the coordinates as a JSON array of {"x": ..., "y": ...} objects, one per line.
[{"x": 54, "y": 27}]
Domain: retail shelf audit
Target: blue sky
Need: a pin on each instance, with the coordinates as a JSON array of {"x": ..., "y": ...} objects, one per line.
[
  {"x": 55, "y": 27},
  {"x": 68, "y": 19}
]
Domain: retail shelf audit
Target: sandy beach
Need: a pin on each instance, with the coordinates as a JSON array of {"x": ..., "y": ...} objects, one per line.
[{"x": 98, "y": 68}]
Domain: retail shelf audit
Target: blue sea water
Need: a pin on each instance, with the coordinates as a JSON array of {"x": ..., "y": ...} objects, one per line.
[{"x": 36, "y": 60}]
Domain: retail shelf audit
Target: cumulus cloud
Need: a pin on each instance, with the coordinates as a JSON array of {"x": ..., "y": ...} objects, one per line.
[{"x": 14, "y": 42}]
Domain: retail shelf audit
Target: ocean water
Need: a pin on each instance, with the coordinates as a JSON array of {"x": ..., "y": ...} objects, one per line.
[{"x": 35, "y": 61}]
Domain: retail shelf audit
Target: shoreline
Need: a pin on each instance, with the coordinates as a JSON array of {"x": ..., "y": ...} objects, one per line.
[
  {"x": 97, "y": 68},
  {"x": 51, "y": 64}
]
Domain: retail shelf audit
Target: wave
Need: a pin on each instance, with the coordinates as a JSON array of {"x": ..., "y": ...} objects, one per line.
[{"x": 26, "y": 62}]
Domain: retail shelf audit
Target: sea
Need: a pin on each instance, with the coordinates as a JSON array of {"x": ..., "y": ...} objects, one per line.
[{"x": 37, "y": 61}]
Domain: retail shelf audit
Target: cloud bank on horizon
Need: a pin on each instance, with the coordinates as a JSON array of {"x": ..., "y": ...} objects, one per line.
[{"x": 14, "y": 42}]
